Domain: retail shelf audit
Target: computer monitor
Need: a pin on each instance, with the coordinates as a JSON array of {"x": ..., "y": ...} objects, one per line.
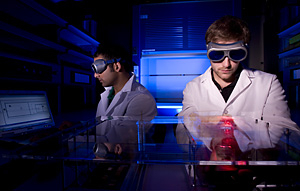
[{"x": 23, "y": 111}]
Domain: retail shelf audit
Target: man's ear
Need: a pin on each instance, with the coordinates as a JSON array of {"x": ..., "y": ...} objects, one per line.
[{"x": 117, "y": 66}]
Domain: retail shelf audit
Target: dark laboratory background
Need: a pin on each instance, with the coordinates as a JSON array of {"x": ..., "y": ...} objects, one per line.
[{"x": 48, "y": 45}]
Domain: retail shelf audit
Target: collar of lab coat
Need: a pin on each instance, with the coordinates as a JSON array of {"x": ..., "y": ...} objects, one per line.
[
  {"x": 244, "y": 81},
  {"x": 127, "y": 87},
  {"x": 244, "y": 73},
  {"x": 119, "y": 97}
]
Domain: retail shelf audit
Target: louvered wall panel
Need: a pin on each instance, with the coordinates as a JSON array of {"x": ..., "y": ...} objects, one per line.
[
  {"x": 196, "y": 32},
  {"x": 164, "y": 33},
  {"x": 179, "y": 26}
]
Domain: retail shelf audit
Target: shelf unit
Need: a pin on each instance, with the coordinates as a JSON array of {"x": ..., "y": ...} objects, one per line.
[
  {"x": 289, "y": 63},
  {"x": 40, "y": 50}
]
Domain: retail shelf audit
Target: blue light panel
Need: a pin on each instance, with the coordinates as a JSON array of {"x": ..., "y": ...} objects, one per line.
[{"x": 166, "y": 73}]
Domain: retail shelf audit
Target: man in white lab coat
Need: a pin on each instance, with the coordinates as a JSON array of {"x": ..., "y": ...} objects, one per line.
[
  {"x": 253, "y": 98},
  {"x": 123, "y": 96},
  {"x": 122, "y": 104}
]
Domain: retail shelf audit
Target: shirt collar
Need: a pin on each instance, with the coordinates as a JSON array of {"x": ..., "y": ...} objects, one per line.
[{"x": 237, "y": 75}]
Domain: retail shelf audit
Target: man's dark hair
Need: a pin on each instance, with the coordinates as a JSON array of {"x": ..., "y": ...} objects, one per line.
[
  {"x": 113, "y": 51},
  {"x": 228, "y": 28}
]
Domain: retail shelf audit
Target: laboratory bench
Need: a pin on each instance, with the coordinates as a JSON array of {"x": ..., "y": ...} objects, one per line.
[{"x": 160, "y": 153}]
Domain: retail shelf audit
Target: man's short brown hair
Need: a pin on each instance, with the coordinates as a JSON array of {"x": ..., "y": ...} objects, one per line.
[{"x": 228, "y": 28}]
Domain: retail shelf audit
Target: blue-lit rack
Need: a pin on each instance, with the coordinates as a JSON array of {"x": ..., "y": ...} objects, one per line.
[
  {"x": 289, "y": 62},
  {"x": 45, "y": 52}
]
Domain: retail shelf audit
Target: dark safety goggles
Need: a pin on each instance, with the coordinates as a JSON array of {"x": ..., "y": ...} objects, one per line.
[
  {"x": 100, "y": 65},
  {"x": 236, "y": 51}
]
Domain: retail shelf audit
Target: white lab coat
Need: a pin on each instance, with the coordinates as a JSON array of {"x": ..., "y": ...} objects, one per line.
[
  {"x": 257, "y": 104},
  {"x": 133, "y": 100}
]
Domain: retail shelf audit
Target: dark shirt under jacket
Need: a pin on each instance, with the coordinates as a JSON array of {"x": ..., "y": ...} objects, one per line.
[{"x": 226, "y": 91}]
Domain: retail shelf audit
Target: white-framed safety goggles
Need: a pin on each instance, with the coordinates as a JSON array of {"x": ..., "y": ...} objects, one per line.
[{"x": 236, "y": 51}]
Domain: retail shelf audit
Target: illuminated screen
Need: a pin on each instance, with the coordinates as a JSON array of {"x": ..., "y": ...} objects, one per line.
[
  {"x": 296, "y": 74},
  {"x": 20, "y": 111},
  {"x": 80, "y": 78},
  {"x": 166, "y": 75}
]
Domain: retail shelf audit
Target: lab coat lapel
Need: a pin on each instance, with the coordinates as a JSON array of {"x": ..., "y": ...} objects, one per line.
[
  {"x": 215, "y": 94},
  {"x": 104, "y": 102},
  {"x": 120, "y": 98},
  {"x": 242, "y": 84}
]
